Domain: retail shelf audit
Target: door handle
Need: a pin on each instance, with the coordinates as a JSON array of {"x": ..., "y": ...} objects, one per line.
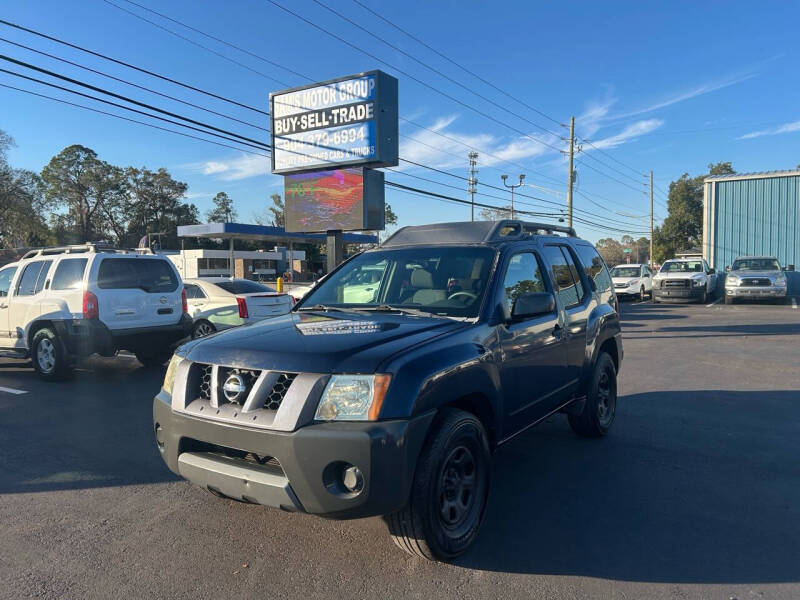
[{"x": 557, "y": 332}]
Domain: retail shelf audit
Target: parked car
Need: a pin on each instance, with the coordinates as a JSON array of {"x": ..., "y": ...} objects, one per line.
[
  {"x": 755, "y": 277},
  {"x": 391, "y": 406},
  {"x": 684, "y": 280},
  {"x": 298, "y": 291},
  {"x": 57, "y": 304},
  {"x": 217, "y": 303},
  {"x": 632, "y": 280}
]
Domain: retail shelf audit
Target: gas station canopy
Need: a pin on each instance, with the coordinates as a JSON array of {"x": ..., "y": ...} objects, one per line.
[{"x": 245, "y": 231}]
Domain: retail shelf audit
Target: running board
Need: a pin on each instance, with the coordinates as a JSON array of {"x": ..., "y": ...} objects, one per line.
[{"x": 21, "y": 354}]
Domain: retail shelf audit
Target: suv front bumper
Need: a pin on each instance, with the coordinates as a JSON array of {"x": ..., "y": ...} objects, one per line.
[
  {"x": 756, "y": 292},
  {"x": 679, "y": 294},
  {"x": 311, "y": 461}
]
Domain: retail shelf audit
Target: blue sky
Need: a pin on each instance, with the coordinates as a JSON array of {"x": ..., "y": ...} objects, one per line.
[{"x": 669, "y": 87}]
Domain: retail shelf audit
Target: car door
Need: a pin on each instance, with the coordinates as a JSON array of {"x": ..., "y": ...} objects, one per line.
[
  {"x": 6, "y": 279},
  {"x": 647, "y": 279},
  {"x": 573, "y": 298},
  {"x": 25, "y": 302},
  {"x": 532, "y": 359}
]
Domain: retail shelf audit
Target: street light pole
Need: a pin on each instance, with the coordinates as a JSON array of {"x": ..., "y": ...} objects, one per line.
[{"x": 512, "y": 188}]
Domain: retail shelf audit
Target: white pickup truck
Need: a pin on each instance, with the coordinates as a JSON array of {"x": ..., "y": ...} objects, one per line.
[{"x": 684, "y": 280}]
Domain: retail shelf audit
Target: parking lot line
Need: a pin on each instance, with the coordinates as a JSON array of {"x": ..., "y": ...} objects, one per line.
[
  {"x": 12, "y": 390},
  {"x": 713, "y": 303},
  {"x": 794, "y": 303}
]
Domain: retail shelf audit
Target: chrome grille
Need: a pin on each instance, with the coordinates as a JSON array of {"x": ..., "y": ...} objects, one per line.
[
  {"x": 202, "y": 385},
  {"x": 756, "y": 282},
  {"x": 205, "y": 382},
  {"x": 676, "y": 283}
]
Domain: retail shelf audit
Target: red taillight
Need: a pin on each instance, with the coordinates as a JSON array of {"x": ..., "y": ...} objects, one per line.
[
  {"x": 184, "y": 303},
  {"x": 242, "y": 308},
  {"x": 90, "y": 308}
]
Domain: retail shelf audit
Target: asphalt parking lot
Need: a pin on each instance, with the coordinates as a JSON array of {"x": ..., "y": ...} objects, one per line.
[{"x": 694, "y": 494}]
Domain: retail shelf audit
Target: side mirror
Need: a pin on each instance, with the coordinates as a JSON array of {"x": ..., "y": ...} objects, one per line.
[
  {"x": 712, "y": 271},
  {"x": 532, "y": 304},
  {"x": 728, "y": 269},
  {"x": 790, "y": 267}
]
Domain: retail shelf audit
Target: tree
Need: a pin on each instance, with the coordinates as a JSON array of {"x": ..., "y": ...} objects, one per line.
[
  {"x": 223, "y": 211},
  {"x": 22, "y": 206},
  {"x": 91, "y": 190},
  {"x": 389, "y": 216},
  {"x": 155, "y": 205},
  {"x": 495, "y": 214},
  {"x": 683, "y": 227},
  {"x": 278, "y": 210},
  {"x": 612, "y": 251}
]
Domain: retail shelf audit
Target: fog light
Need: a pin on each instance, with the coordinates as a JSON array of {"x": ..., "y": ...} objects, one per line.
[{"x": 352, "y": 479}]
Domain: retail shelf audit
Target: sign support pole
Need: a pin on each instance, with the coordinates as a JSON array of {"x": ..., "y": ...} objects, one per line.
[{"x": 335, "y": 249}]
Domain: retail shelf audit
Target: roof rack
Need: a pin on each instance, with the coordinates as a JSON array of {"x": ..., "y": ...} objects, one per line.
[
  {"x": 90, "y": 247},
  {"x": 513, "y": 228}
]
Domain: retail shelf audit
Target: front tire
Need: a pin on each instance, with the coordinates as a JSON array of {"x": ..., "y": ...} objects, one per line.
[
  {"x": 49, "y": 357},
  {"x": 642, "y": 295},
  {"x": 730, "y": 300},
  {"x": 600, "y": 407},
  {"x": 449, "y": 492}
]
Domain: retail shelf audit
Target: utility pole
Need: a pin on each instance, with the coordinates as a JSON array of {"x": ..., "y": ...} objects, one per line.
[
  {"x": 473, "y": 182},
  {"x": 571, "y": 175},
  {"x": 651, "y": 220},
  {"x": 512, "y": 188}
]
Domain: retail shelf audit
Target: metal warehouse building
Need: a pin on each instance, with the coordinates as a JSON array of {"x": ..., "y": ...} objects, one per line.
[{"x": 752, "y": 214}]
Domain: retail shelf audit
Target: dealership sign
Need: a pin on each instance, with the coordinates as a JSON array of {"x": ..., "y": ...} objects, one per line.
[{"x": 342, "y": 122}]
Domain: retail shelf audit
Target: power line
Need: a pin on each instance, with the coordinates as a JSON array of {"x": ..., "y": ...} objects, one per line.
[
  {"x": 125, "y": 98},
  {"x": 588, "y": 166},
  {"x": 609, "y": 155},
  {"x": 141, "y": 112},
  {"x": 429, "y": 67},
  {"x": 460, "y": 66},
  {"x": 409, "y": 75},
  {"x": 130, "y": 66},
  {"x": 141, "y": 87},
  {"x": 608, "y": 166},
  {"x": 102, "y": 112},
  {"x": 198, "y": 44}
]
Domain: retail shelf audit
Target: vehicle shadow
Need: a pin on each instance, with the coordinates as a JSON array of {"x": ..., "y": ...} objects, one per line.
[
  {"x": 671, "y": 495},
  {"x": 740, "y": 329},
  {"x": 91, "y": 431}
]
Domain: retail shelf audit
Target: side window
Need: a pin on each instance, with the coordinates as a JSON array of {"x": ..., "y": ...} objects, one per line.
[
  {"x": 27, "y": 282},
  {"x": 193, "y": 292},
  {"x": 564, "y": 275},
  {"x": 42, "y": 276},
  {"x": 522, "y": 275},
  {"x": 6, "y": 275},
  {"x": 595, "y": 267},
  {"x": 69, "y": 274}
]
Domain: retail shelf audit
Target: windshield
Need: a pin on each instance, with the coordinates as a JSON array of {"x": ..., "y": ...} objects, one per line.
[
  {"x": 756, "y": 264},
  {"x": 682, "y": 266},
  {"x": 242, "y": 286},
  {"x": 447, "y": 281},
  {"x": 625, "y": 272}
]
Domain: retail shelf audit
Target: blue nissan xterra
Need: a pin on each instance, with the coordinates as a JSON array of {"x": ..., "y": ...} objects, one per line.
[{"x": 388, "y": 386}]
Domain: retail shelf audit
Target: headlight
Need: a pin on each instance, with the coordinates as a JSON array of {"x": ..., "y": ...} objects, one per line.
[
  {"x": 353, "y": 398},
  {"x": 698, "y": 281},
  {"x": 172, "y": 370},
  {"x": 633, "y": 282},
  {"x": 731, "y": 280},
  {"x": 656, "y": 282},
  {"x": 779, "y": 280}
]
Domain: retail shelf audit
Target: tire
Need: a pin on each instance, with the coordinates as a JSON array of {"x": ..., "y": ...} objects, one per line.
[
  {"x": 704, "y": 298},
  {"x": 438, "y": 523},
  {"x": 730, "y": 300},
  {"x": 600, "y": 406},
  {"x": 153, "y": 358},
  {"x": 202, "y": 328},
  {"x": 49, "y": 357},
  {"x": 642, "y": 295}
]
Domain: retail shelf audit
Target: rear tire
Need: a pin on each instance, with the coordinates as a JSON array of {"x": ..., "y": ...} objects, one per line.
[
  {"x": 600, "y": 406},
  {"x": 49, "y": 356},
  {"x": 450, "y": 489},
  {"x": 153, "y": 358},
  {"x": 202, "y": 328}
]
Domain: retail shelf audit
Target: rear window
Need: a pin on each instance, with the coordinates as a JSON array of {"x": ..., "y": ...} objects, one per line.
[
  {"x": 147, "y": 274},
  {"x": 242, "y": 286},
  {"x": 69, "y": 274}
]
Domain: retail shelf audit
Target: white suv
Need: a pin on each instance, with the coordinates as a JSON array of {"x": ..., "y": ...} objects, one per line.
[{"x": 59, "y": 303}]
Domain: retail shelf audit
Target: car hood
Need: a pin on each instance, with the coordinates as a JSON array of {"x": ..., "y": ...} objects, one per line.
[
  {"x": 756, "y": 274},
  {"x": 318, "y": 342},
  {"x": 624, "y": 279}
]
